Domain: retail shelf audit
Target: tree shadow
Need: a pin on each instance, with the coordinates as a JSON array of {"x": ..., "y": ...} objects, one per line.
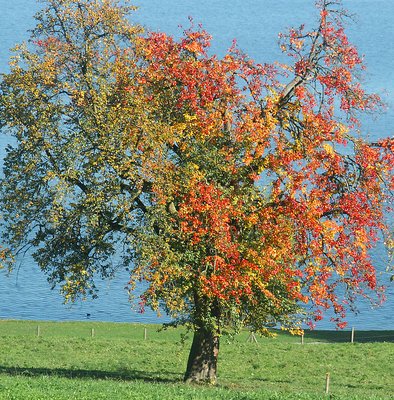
[{"x": 125, "y": 375}]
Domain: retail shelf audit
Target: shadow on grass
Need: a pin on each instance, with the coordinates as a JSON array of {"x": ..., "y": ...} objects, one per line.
[
  {"x": 124, "y": 375},
  {"x": 345, "y": 336}
]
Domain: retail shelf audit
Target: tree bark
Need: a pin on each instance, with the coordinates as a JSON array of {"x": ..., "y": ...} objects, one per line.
[{"x": 203, "y": 357}]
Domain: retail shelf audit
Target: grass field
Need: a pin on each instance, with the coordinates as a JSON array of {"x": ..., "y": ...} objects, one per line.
[{"x": 66, "y": 362}]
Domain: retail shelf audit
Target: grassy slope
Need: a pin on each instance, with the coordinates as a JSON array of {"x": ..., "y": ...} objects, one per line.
[{"x": 65, "y": 362}]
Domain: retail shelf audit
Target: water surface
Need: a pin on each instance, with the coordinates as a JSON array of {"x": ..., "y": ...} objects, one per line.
[{"x": 255, "y": 24}]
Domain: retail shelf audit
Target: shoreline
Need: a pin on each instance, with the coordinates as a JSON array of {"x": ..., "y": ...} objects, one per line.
[{"x": 323, "y": 335}]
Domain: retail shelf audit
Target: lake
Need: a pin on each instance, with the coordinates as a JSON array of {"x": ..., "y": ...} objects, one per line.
[{"x": 255, "y": 24}]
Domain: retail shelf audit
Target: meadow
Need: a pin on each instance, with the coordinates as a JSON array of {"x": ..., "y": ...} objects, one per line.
[{"x": 97, "y": 360}]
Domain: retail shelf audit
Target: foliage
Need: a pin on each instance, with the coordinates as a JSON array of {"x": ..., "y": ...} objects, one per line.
[
  {"x": 277, "y": 199},
  {"x": 235, "y": 196},
  {"x": 66, "y": 189}
]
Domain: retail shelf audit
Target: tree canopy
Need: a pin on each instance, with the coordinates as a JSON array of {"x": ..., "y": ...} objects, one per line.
[{"x": 243, "y": 194}]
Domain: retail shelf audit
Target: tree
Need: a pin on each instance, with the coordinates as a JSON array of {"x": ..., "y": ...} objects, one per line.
[{"x": 240, "y": 199}]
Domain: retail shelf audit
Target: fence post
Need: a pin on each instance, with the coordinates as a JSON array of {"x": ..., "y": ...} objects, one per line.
[
  {"x": 302, "y": 339},
  {"x": 352, "y": 336},
  {"x": 38, "y": 331},
  {"x": 145, "y": 333},
  {"x": 252, "y": 337},
  {"x": 92, "y": 332},
  {"x": 327, "y": 382}
]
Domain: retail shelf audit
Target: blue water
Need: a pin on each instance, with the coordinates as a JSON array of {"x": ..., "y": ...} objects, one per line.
[{"x": 255, "y": 24}]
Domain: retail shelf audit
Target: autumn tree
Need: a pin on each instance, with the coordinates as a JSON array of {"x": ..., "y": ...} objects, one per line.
[{"x": 243, "y": 194}]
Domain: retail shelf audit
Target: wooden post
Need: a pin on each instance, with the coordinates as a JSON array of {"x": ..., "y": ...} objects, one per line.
[
  {"x": 252, "y": 337},
  {"x": 38, "y": 331},
  {"x": 327, "y": 382},
  {"x": 352, "y": 336},
  {"x": 92, "y": 332},
  {"x": 302, "y": 339},
  {"x": 145, "y": 333}
]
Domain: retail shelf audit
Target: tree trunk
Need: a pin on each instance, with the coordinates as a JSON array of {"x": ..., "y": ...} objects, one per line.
[{"x": 203, "y": 357}]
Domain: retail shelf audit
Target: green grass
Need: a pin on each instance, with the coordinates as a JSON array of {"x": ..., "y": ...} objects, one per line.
[{"x": 65, "y": 362}]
